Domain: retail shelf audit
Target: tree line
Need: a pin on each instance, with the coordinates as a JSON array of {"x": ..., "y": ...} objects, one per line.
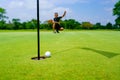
[{"x": 16, "y": 24}]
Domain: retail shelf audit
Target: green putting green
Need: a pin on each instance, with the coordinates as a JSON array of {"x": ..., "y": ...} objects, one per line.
[{"x": 75, "y": 55}]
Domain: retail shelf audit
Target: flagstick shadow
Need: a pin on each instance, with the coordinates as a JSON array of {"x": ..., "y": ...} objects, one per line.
[
  {"x": 66, "y": 50},
  {"x": 104, "y": 53}
]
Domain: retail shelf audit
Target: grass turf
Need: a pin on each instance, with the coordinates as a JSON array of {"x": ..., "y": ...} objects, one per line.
[{"x": 76, "y": 55}]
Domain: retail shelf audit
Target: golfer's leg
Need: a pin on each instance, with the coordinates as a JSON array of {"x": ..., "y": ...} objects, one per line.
[
  {"x": 53, "y": 27},
  {"x": 57, "y": 30}
]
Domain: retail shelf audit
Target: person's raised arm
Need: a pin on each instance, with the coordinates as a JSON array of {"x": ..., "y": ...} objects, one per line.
[{"x": 64, "y": 14}]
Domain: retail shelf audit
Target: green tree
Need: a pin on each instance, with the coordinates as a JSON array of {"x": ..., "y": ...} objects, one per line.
[
  {"x": 86, "y": 25},
  {"x": 2, "y": 18},
  {"x": 2, "y": 24},
  {"x": 109, "y": 25},
  {"x": 116, "y": 12},
  {"x": 2, "y": 14},
  {"x": 46, "y": 25},
  {"x": 16, "y": 23},
  {"x": 9, "y": 26},
  {"x": 97, "y": 26},
  {"x": 24, "y": 25},
  {"x": 70, "y": 24},
  {"x": 29, "y": 25},
  {"x": 34, "y": 23}
]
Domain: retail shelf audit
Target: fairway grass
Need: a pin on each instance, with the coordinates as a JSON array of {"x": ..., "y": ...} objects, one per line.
[{"x": 75, "y": 55}]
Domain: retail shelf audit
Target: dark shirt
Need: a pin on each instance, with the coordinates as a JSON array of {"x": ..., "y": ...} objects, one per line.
[{"x": 57, "y": 19}]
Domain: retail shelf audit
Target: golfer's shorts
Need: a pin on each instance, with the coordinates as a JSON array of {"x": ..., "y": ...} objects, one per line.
[{"x": 57, "y": 26}]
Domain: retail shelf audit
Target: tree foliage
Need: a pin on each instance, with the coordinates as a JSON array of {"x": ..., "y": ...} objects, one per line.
[
  {"x": 70, "y": 24},
  {"x": 67, "y": 24},
  {"x": 116, "y": 12},
  {"x": 86, "y": 25},
  {"x": 2, "y": 14},
  {"x": 109, "y": 25}
]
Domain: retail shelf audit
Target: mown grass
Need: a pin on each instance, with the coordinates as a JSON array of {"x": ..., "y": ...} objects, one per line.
[{"x": 76, "y": 55}]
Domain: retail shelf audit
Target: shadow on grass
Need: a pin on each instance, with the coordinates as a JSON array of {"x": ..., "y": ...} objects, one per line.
[
  {"x": 66, "y": 50},
  {"x": 104, "y": 53}
]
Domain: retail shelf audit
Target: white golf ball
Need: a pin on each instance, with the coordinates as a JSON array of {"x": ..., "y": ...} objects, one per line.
[{"x": 47, "y": 54}]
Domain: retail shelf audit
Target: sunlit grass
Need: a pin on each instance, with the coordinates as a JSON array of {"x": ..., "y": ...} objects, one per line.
[{"x": 76, "y": 55}]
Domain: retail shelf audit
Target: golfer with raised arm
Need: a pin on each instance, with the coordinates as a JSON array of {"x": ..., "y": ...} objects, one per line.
[{"x": 56, "y": 22}]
